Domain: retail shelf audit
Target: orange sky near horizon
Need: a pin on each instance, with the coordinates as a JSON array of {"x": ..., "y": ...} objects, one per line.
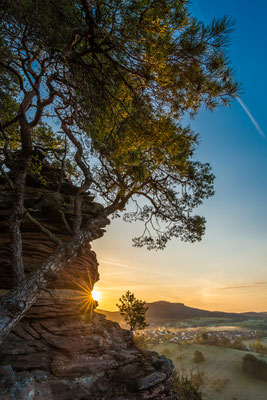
[
  {"x": 202, "y": 275},
  {"x": 246, "y": 296}
]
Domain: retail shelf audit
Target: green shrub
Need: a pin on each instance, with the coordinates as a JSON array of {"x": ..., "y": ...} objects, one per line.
[
  {"x": 258, "y": 347},
  {"x": 140, "y": 342},
  {"x": 187, "y": 386},
  {"x": 254, "y": 368},
  {"x": 198, "y": 357}
]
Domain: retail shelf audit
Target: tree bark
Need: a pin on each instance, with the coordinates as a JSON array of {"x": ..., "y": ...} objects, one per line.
[
  {"x": 22, "y": 167},
  {"x": 17, "y": 301}
]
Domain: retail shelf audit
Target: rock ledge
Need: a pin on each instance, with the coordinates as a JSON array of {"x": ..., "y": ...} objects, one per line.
[{"x": 54, "y": 354}]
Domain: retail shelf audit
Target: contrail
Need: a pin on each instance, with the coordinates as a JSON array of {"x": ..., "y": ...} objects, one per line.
[{"x": 252, "y": 119}]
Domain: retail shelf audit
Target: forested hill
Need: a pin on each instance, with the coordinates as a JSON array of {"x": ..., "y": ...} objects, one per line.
[{"x": 164, "y": 312}]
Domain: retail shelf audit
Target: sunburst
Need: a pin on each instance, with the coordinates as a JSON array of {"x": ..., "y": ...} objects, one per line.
[{"x": 88, "y": 296}]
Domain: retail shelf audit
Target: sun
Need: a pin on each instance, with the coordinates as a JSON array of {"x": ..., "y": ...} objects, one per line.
[
  {"x": 88, "y": 297},
  {"x": 96, "y": 295}
]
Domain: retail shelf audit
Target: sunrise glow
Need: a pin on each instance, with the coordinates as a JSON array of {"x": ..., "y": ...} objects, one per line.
[{"x": 96, "y": 295}]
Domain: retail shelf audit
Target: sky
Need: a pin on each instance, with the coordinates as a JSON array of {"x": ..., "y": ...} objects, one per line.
[{"x": 226, "y": 271}]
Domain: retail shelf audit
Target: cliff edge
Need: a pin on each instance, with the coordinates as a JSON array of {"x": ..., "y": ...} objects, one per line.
[{"x": 56, "y": 352}]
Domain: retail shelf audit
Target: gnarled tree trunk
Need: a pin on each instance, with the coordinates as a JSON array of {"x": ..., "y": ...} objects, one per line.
[{"x": 44, "y": 257}]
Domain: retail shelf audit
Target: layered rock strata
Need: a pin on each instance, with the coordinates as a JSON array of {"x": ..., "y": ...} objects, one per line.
[
  {"x": 51, "y": 204},
  {"x": 55, "y": 354}
]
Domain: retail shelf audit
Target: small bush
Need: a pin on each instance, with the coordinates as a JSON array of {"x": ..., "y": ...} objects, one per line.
[
  {"x": 198, "y": 357},
  {"x": 258, "y": 347},
  {"x": 254, "y": 368},
  {"x": 187, "y": 386},
  {"x": 219, "y": 384},
  {"x": 140, "y": 342},
  {"x": 198, "y": 378}
]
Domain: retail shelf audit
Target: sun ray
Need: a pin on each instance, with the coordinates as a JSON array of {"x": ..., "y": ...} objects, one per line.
[
  {"x": 87, "y": 295},
  {"x": 77, "y": 283}
]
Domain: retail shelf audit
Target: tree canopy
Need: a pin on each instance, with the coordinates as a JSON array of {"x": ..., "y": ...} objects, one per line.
[
  {"x": 100, "y": 89},
  {"x": 133, "y": 311}
]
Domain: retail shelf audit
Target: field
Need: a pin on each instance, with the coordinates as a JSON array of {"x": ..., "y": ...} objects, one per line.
[{"x": 223, "y": 379}]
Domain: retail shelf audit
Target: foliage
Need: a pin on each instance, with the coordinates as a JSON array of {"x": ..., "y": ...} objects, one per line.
[
  {"x": 254, "y": 368},
  {"x": 258, "y": 347},
  {"x": 133, "y": 311},
  {"x": 222, "y": 341},
  {"x": 187, "y": 386},
  {"x": 260, "y": 333},
  {"x": 100, "y": 89},
  {"x": 140, "y": 341},
  {"x": 119, "y": 94},
  {"x": 198, "y": 357}
]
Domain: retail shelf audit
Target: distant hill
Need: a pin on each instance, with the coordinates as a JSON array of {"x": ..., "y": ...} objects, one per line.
[
  {"x": 161, "y": 312},
  {"x": 253, "y": 314}
]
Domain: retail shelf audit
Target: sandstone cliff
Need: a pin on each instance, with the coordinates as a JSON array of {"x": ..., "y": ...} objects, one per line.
[
  {"x": 52, "y": 206},
  {"x": 55, "y": 352}
]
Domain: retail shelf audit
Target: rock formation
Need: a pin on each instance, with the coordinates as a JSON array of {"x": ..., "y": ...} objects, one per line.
[
  {"x": 56, "y": 352},
  {"x": 51, "y": 203}
]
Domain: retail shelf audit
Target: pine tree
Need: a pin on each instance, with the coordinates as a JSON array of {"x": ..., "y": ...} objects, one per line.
[
  {"x": 106, "y": 85},
  {"x": 133, "y": 311}
]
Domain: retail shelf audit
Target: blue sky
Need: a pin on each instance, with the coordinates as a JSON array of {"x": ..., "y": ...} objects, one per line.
[{"x": 227, "y": 270}]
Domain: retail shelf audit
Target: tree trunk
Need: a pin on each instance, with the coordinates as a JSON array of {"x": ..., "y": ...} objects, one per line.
[
  {"x": 14, "y": 222},
  {"x": 22, "y": 167},
  {"x": 18, "y": 300}
]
